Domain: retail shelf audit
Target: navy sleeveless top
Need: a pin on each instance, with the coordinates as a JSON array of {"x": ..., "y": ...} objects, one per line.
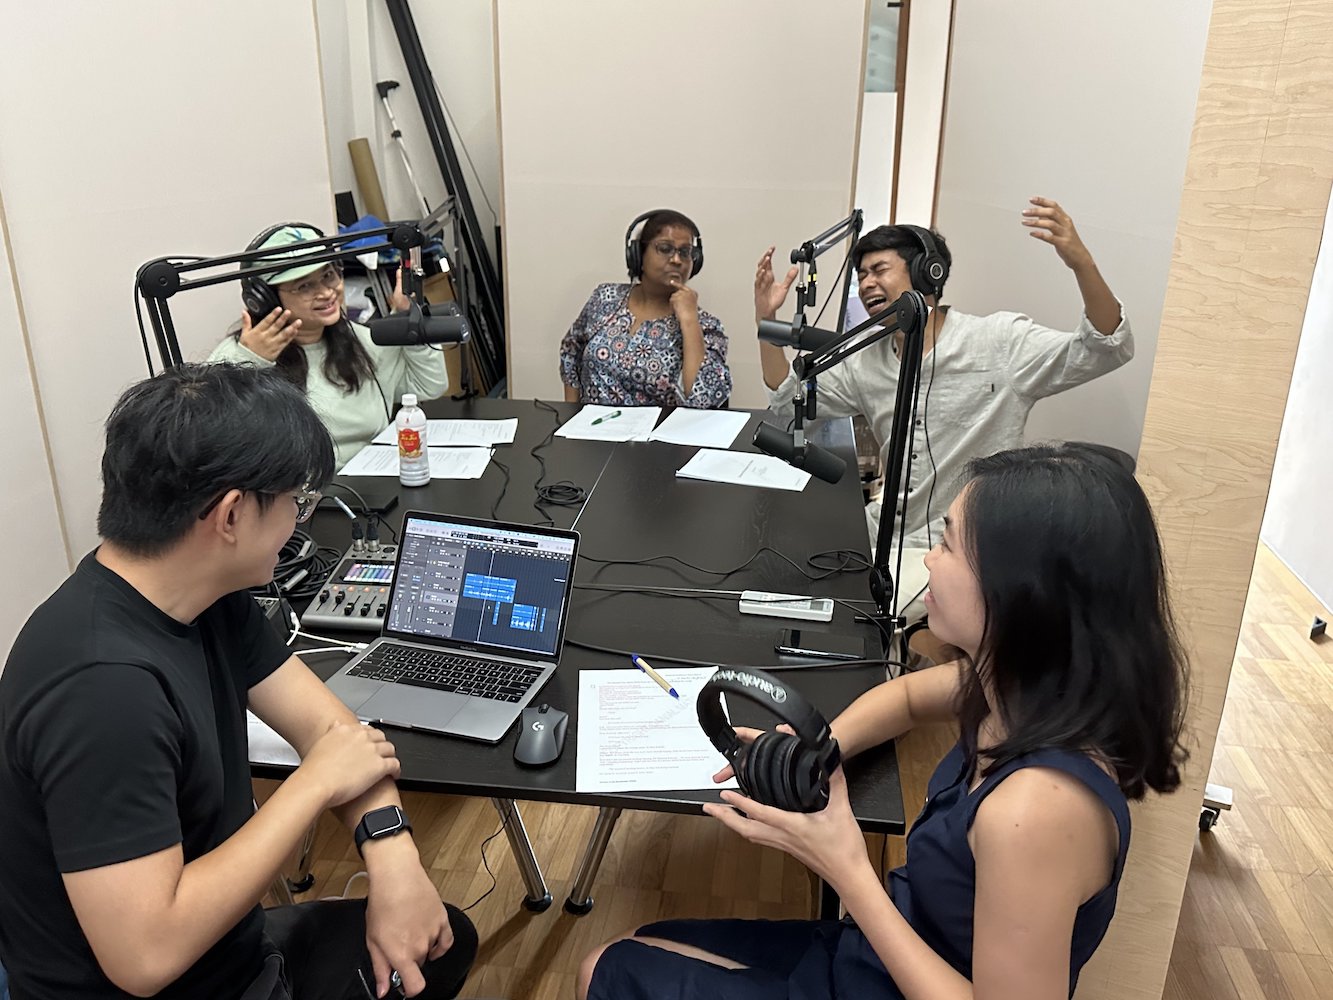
[{"x": 936, "y": 889}]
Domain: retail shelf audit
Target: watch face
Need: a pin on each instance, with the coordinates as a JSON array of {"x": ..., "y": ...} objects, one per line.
[{"x": 381, "y": 821}]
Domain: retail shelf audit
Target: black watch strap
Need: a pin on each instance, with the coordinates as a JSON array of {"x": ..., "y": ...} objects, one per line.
[{"x": 386, "y": 821}]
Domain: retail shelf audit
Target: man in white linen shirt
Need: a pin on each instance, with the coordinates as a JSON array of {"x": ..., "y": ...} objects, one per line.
[{"x": 980, "y": 374}]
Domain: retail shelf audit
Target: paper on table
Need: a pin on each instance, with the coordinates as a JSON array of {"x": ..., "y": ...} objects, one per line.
[
  {"x": 444, "y": 433},
  {"x": 744, "y": 469},
  {"x": 445, "y": 463},
  {"x": 632, "y": 423},
  {"x": 705, "y": 428},
  {"x": 266, "y": 746},
  {"x": 634, "y": 737}
]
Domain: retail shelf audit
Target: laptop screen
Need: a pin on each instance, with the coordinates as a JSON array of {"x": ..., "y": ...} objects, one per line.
[{"x": 481, "y": 584}]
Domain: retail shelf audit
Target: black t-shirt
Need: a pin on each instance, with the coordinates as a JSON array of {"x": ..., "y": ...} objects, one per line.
[{"x": 122, "y": 733}]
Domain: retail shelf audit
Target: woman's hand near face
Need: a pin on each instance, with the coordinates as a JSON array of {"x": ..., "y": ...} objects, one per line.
[
  {"x": 271, "y": 335},
  {"x": 398, "y": 301},
  {"x": 685, "y": 305},
  {"x": 684, "y": 302}
]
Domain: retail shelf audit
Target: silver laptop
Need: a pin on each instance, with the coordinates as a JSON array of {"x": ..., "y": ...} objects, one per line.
[{"x": 475, "y": 624}]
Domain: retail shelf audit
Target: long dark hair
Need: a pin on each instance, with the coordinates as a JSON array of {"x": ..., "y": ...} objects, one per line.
[
  {"x": 347, "y": 364},
  {"x": 1079, "y": 647}
]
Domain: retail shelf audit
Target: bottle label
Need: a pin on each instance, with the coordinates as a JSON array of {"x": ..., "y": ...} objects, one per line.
[{"x": 409, "y": 443}]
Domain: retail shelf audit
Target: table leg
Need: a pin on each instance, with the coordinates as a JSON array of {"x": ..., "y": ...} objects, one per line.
[
  {"x": 305, "y": 878},
  {"x": 830, "y": 904},
  {"x": 538, "y": 897},
  {"x": 580, "y": 899}
]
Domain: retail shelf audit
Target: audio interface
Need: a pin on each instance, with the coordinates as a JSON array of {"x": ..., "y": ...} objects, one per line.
[{"x": 356, "y": 595}]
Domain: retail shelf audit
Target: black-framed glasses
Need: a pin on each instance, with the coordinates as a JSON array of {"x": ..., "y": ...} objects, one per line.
[
  {"x": 668, "y": 250},
  {"x": 306, "y": 501},
  {"x": 330, "y": 279}
]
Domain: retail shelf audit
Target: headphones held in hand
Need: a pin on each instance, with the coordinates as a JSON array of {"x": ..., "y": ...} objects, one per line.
[
  {"x": 257, "y": 295},
  {"x": 777, "y": 769},
  {"x": 634, "y": 252},
  {"x": 928, "y": 269}
]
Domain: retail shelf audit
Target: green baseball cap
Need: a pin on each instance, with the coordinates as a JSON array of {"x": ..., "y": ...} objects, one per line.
[{"x": 286, "y": 236}]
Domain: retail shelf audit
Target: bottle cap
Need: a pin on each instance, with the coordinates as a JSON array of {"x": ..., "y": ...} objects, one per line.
[{"x": 409, "y": 399}]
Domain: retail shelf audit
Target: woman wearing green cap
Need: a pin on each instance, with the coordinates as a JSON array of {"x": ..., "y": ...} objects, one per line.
[{"x": 296, "y": 320}]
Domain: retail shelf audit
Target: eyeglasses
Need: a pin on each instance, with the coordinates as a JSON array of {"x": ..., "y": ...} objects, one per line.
[
  {"x": 668, "y": 251},
  {"x": 330, "y": 278},
  {"x": 306, "y": 502},
  {"x": 305, "y": 498}
]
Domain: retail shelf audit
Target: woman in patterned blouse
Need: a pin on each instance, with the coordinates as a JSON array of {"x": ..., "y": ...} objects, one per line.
[{"x": 648, "y": 343}]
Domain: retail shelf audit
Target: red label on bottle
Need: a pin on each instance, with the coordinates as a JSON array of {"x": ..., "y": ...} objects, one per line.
[{"x": 409, "y": 443}]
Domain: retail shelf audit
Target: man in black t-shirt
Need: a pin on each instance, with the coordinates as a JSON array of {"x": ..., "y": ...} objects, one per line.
[{"x": 133, "y": 860}]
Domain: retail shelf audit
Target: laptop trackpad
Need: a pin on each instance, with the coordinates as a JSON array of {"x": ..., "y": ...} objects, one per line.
[{"x": 404, "y": 705}]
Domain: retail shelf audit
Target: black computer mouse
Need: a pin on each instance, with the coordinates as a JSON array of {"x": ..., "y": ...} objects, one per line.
[{"x": 541, "y": 735}]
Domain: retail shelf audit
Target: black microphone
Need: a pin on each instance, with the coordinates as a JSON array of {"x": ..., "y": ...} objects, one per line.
[
  {"x": 819, "y": 462},
  {"x": 414, "y": 327},
  {"x": 807, "y": 338}
]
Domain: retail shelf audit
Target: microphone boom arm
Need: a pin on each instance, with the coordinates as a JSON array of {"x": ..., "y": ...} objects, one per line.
[
  {"x": 160, "y": 279},
  {"x": 907, "y": 316}
]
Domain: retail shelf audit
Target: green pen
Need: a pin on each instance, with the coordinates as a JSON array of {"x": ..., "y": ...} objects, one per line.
[{"x": 610, "y": 416}]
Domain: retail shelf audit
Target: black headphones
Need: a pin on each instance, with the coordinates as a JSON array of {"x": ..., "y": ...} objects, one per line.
[
  {"x": 258, "y": 296},
  {"x": 777, "y": 769},
  {"x": 928, "y": 269},
  {"x": 634, "y": 252}
]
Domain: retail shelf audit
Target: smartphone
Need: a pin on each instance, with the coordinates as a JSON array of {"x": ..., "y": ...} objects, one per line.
[{"x": 821, "y": 645}]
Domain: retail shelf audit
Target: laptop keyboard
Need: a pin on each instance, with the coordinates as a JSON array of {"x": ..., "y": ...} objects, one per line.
[{"x": 492, "y": 679}]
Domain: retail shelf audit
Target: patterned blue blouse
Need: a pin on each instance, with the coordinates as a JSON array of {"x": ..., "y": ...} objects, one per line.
[{"x": 610, "y": 366}]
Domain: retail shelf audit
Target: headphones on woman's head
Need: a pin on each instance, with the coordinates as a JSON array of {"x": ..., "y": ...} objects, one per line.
[
  {"x": 928, "y": 269},
  {"x": 634, "y": 252},
  {"x": 258, "y": 296},
  {"x": 777, "y": 769}
]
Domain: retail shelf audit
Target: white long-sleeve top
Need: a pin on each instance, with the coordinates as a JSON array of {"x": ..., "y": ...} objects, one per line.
[
  {"x": 978, "y": 385},
  {"x": 354, "y": 418}
]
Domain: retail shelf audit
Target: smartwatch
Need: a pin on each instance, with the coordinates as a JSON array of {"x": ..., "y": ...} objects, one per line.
[{"x": 383, "y": 822}]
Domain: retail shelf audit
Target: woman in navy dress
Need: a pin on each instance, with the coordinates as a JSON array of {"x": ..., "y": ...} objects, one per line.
[
  {"x": 647, "y": 343},
  {"x": 1069, "y": 702}
]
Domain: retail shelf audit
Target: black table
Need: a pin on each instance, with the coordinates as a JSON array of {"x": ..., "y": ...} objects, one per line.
[{"x": 636, "y": 509}]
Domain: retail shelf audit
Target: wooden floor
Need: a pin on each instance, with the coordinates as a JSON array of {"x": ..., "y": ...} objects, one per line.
[
  {"x": 1257, "y": 920},
  {"x": 1258, "y": 912}
]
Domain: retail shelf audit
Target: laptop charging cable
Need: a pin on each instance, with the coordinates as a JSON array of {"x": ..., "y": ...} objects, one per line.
[{"x": 334, "y": 645}]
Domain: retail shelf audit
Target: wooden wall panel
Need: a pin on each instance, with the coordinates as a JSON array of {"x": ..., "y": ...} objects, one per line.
[{"x": 1256, "y": 194}]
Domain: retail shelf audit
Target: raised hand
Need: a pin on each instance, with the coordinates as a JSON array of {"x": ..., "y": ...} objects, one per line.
[
  {"x": 271, "y": 335},
  {"x": 1051, "y": 224},
  {"x": 769, "y": 293}
]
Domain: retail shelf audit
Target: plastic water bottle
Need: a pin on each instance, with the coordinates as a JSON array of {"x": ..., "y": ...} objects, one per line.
[{"x": 413, "y": 460}]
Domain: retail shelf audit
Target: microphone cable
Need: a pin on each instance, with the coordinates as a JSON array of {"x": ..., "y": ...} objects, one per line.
[
  {"x": 565, "y": 493},
  {"x": 302, "y": 570},
  {"x": 829, "y": 563}
]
